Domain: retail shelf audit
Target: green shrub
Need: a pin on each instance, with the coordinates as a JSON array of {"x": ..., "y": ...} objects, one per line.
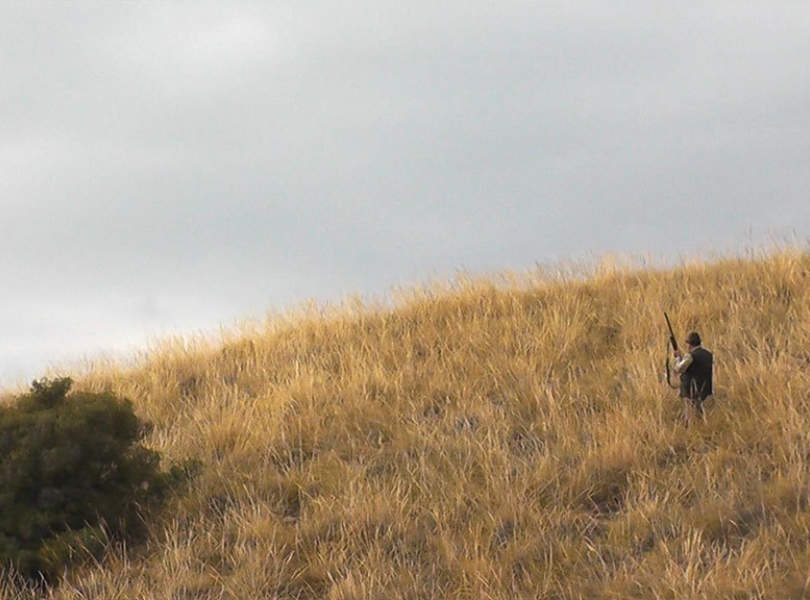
[{"x": 72, "y": 474}]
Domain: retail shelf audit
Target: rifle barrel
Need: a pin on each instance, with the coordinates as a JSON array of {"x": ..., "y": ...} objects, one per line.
[{"x": 672, "y": 339}]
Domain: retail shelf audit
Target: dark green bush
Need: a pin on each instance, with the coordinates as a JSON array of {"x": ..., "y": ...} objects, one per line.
[{"x": 72, "y": 475}]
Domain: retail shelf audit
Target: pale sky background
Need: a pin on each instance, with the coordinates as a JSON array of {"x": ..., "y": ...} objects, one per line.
[{"x": 176, "y": 166}]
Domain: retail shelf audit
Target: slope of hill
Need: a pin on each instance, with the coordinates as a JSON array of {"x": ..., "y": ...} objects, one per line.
[{"x": 486, "y": 441}]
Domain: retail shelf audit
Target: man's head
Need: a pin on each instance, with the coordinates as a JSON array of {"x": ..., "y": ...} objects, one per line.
[{"x": 693, "y": 339}]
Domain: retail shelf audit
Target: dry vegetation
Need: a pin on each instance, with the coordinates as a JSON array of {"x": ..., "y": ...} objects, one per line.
[{"x": 485, "y": 440}]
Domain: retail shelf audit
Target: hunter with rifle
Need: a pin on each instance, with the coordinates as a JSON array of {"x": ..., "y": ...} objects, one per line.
[{"x": 695, "y": 368}]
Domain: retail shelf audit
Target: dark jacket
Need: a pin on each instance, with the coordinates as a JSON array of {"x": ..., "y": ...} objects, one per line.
[{"x": 696, "y": 381}]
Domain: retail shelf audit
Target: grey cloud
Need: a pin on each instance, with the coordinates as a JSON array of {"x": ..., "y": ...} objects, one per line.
[{"x": 227, "y": 159}]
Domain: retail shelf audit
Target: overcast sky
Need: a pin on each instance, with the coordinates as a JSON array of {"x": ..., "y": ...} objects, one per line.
[{"x": 175, "y": 166}]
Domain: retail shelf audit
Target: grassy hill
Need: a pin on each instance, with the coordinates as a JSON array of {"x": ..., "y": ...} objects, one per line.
[{"x": 485, "y": 440}]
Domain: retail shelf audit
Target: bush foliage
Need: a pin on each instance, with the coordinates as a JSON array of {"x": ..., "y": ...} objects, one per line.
[{"x": 72, "y": 473}]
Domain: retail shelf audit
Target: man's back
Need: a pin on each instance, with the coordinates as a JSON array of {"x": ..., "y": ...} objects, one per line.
[{"x": 696, "y": 381}]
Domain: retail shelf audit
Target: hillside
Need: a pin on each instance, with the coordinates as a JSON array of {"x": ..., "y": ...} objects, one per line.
[{"x": 485, "y": 440}]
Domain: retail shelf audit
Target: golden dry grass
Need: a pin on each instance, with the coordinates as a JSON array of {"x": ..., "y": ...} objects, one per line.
[{"x": 485, "y": 440}]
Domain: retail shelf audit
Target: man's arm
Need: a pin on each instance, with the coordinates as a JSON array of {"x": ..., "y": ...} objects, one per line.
[{"x": 682, "y": 362}]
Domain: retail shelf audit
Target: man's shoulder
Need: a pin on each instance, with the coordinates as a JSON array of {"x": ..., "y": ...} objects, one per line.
[{"x": 701, "y": 351}]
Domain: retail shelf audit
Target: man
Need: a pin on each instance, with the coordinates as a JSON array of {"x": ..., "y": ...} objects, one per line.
[{"x": 695, "y": 369}]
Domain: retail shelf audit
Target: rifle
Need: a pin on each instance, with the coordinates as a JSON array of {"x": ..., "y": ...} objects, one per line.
[{"x": 674, "y": 344}]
